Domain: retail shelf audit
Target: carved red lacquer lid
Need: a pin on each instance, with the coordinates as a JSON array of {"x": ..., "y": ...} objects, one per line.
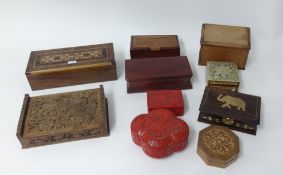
[
  {"x": 159, "y": 133},
  {"x": 166, "y": 99}
]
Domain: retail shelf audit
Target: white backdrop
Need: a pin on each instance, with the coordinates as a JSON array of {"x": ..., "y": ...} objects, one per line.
[{"x": 37, "y": 24}]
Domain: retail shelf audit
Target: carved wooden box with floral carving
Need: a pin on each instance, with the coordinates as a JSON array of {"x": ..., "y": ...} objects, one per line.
[
  {"x": 71, "y": 66},
  {"x": 150, "y": 46},
  {"x": 234, "y": 110},
  {"x": 63, "y": 117}
]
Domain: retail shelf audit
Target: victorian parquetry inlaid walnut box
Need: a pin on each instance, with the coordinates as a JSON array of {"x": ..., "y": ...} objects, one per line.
[
  {"x": 224, "y": 43},
  {"x": 218, "y": 146},
  {"x": 63, "y": 117},
  {"x": 162, "y": 73},
  {"x": 222, "y": 75},
  {"x": 234, "y": 110},
  {"x": 71, "y": 66},
  {"x": 149, "y": 46}
]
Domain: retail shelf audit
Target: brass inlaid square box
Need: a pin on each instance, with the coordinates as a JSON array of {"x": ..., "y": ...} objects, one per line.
[{"x": 222, "y": 75}]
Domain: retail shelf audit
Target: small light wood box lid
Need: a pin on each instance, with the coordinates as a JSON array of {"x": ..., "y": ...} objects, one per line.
[
  {"x": 224, "y": 43},
  {"x": 218, "y": 146}
]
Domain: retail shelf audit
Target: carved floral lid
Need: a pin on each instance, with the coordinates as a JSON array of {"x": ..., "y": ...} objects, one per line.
[
  {"x": 65, "y": 113},
  {"x": 218, "y": 146}
]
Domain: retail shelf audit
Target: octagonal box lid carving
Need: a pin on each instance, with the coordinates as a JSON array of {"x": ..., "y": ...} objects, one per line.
[{"x": 218, "y": 146}]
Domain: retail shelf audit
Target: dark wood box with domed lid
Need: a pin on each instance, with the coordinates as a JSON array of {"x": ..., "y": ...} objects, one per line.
[{"x": 71, "y": 66}]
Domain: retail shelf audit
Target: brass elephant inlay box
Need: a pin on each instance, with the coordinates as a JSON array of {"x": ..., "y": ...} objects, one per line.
[
  {"x": 234, "y": 110},
  {"x": 222, "y": 75},
  {"x": 63, "y": 117}
]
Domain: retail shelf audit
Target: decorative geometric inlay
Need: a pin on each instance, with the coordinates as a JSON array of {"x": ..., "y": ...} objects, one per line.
[{"x": 74, "y": 57}]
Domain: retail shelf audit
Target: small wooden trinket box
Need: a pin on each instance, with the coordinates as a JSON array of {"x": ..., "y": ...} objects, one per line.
[
  {"x": 224, "y": 43},
  {"x": 71, "y": 66},
  {"x": 163, "y": 73},
  {"x": 218, "y": 146},
  {"x": 160, "y": 133},
  {"x": 63, "y": 117},
  {"x": 234, "y": 110},
  {"x": 166, "y": 99},
  {"x": 222, "y": 75},
  {"x": 149, "y": 46}
]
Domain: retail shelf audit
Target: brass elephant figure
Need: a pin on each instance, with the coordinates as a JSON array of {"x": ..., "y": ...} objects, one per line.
[{"x": 232, "y": 101}]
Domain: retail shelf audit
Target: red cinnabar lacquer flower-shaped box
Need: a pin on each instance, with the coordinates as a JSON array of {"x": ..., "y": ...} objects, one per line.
[{"x": 159, "y": 133}]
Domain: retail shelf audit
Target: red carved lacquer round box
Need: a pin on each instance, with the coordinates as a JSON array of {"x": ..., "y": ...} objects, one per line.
[{"x": 160, "y": 133}]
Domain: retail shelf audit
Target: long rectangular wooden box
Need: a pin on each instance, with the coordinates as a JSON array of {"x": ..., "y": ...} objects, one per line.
[
  {"x": 234, "y": 110},
  {"x": 63, "y": 117},
  {"x": 224, "y": 43},
  {"x": 150, "y": 46},
  {"x": 158, "y": 73},
  {"x": 71, "y": 66}
]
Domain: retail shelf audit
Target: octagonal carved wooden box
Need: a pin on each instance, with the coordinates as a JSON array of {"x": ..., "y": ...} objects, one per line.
[{"x": 218, "y": 146}]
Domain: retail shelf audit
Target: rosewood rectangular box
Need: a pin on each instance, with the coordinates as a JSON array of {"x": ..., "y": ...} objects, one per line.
[
  {"x": 224, "y": 43},
  {"x": 71, "y": 66},
  {"x": 63, "y": 117},
  {"x": 158, "y": 74},
  {"x": 234, "y": 110},
  {"x": 149, "y": 46}
]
